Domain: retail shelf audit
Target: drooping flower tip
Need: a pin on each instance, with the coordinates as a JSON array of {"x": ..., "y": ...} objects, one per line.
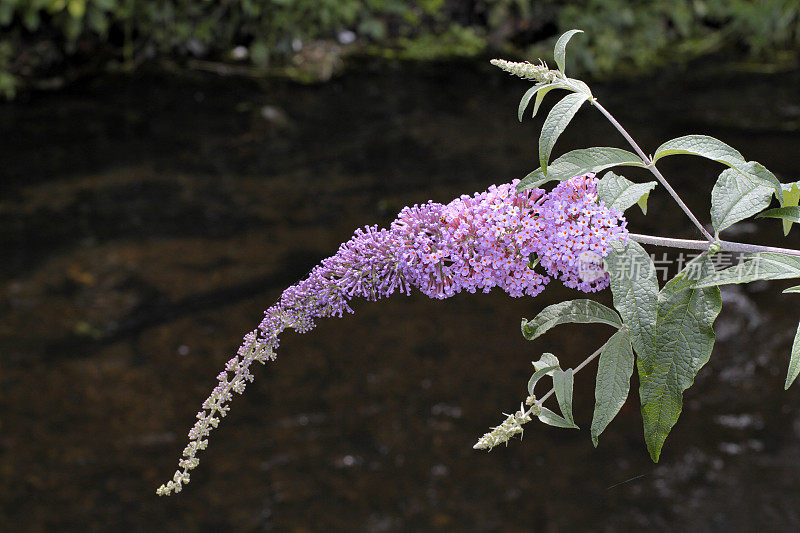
[{"x": 494, "y": 238}]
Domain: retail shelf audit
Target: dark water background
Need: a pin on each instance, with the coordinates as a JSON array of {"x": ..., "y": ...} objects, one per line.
[{"x": 146, "y": 223}]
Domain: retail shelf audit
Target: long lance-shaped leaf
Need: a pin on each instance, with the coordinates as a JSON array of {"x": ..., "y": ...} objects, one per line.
[
  {"x": 563, "y": 382},
  {"x": 794, "y": 362},
  {"x": 530, "y": 93},
  {"x": 737, "y": 196},
  {"x": 541, "y": 94},
  {"x": 613, "y": 381},
  {"x": 621, "y": 193},
  {"x": 551, "y": 419},
  {"x": 794, "y": 289},
  {"x": 579, "y": 162},
  {"x": 700, "y": 145},
  {"x": 684, "y": 338},
  {"x": 556, "y": 122},
  {"x": 635, "y": 290},
  {"x": 560, "y": 51},
  {"x": 582, "y": 311},
  {"x": 760, "y": 266}
]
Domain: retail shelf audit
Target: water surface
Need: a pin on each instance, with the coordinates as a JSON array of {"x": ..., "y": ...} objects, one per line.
[{"x": 146, "y": 223}]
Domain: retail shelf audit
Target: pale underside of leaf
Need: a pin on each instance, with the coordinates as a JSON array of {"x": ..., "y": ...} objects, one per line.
[
  {"x": 536, "y": 90},
  {"x": 547, "y": 359},
  {"x": 613, "y": 384},
  {"x": 578, "y": 162},
  {"x": 621, "y": 193},
  {"x": 581, "y": 311},
  {"x": 761, "y": 266},
  {"x": 552, "y": 419},
  {"x": 684, "y": 338},
  {"x": 541, "y": 94},
  {"x": 736, "y": 196},
  {"x": 581, "y": 86},
  {"x": 556, "y": 122},
  {"x": 560, "y": 49}
]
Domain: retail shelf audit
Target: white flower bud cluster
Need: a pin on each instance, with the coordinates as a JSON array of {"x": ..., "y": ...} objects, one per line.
[
  {"x": 510, "y": 427},
  {"x": 535, "y": 72}
]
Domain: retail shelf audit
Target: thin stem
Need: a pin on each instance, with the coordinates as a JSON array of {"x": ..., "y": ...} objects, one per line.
[
  {"x": 652, "y": 167},
  {"x": 726, "y": 246},
  {"x": 577, "y": 369}
]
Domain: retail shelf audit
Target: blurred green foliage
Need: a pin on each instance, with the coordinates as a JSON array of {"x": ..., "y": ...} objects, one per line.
[
  {"x": 43, "y": 40},
  {"x": 638, "y": 35}
]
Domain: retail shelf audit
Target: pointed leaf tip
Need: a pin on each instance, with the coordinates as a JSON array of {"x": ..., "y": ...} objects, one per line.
[
  {"x": 613, "y": 383},
  {"x": 560, "y": 50}
]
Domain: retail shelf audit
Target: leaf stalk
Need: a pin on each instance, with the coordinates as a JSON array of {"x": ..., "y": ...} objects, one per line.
[
  {"x": 725, "y": 246},
  {"x": 650, "y": 164}
]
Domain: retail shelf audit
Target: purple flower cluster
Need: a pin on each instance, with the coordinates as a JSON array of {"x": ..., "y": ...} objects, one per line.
[
  {"x": 491, "y": 239},
  {"x": 574, "y": 231},
  {"x": 473, "y": 243}
]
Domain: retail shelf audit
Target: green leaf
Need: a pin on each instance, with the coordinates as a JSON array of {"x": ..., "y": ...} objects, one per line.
[
  {"x": 635, "y": 290},
  {"x": 582, "y": 311},
  {"x": 539, "y": 374},
  {"x": 582, "y": 87},
  {"x": 547, "y": 359},
  {"x": 790, "y": 214},
  {"x": 761, "y": 266},
  {"x": 76, "y": 8},
  {"x": 684, "y": 338},
  {"x": 700, "y": 145},
  {"x": 560, "y": 50},
  {"x": 756, "y": 172},
  {"x": 526, "y": 98},
  {"x": 736, "y": 196},
  {"x": 794, "y": 361},
  {"x": 556, "y": 122},
  {"x": 791, "y": 197},
  {"x": 563, "y": 381},
  {"x": 620, "y": 193},
  {"x": 579, "y": 162},
  {"x": 551, "y": 419},
  {"x": 643, "y": 202},
  {"x": 796, "y": 288},
  {"x": 613, "y": 381},
  {"x": 541, "y": 94}
]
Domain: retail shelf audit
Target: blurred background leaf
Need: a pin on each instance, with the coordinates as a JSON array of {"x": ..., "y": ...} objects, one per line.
[{"x": 49, "y": 42}]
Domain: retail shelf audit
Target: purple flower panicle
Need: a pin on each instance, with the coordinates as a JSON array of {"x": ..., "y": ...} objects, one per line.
[{"x": 491, "y": 239}]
